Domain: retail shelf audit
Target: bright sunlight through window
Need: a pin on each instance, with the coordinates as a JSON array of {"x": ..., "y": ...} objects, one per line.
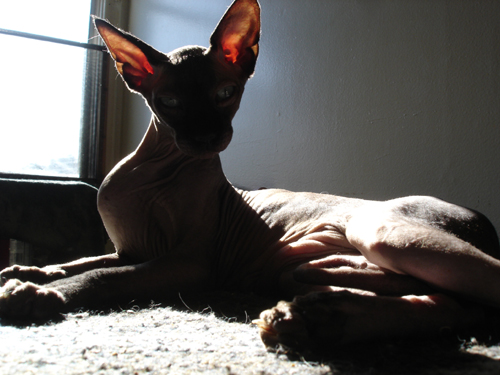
[{"x": 42, "y": 87}]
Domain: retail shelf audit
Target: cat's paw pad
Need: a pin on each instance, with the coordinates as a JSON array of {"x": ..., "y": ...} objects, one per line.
[{"x": 308, "y": 323}]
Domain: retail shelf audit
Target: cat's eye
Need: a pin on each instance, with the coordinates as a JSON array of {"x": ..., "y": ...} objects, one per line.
[
  {"x": 225, "y": 93},
  {"x": 169, "y": 102}
]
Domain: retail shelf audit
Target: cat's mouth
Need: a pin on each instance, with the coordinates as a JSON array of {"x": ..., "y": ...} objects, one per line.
[{"x": 204, "y": 148}]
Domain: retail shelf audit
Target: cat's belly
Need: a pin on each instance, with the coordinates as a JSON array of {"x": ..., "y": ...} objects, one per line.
[{"x": 287, "y": 230}]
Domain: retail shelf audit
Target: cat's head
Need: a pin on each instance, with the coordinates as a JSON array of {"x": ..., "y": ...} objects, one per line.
[{"x": 194, "y": 91}]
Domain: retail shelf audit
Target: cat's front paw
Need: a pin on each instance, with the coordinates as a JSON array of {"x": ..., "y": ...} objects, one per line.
[
  {"x": 33, "y": 274},
  {"x": 26, "y": 300}
]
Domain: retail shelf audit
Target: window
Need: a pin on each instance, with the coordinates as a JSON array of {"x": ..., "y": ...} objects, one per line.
[{"x": 51, "y": 97}]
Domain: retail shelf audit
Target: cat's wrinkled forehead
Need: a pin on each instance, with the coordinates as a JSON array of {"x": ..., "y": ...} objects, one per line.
[
  {"x": 182, "y": 54},
  {"x": 186, "y": 68}
]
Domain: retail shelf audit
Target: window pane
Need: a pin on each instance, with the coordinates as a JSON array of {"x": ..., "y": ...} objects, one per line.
[
  {"x": 40, "y": 107},
  {"x": 65, "y": 19},
  {"x": 43, "y": 88}
]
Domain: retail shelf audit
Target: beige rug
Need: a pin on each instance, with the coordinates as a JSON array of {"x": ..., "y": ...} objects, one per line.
[{"x": 213, "y": 335}]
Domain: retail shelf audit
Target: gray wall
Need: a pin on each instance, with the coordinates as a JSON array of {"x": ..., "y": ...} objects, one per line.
[{"x": 372, "y": 99}]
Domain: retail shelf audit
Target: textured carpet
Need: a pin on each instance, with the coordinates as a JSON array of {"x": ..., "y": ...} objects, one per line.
[{"x": 212, "y": 334}]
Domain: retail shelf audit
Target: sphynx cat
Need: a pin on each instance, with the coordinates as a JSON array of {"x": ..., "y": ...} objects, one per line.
[{"x": 361, "y": 270}]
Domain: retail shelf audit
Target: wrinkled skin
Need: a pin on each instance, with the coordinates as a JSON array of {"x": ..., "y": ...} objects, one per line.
[{"x": 374, "y": 269}]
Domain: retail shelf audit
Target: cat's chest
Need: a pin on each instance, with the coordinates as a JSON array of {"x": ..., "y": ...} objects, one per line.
[
  {"x": 137, "y": 205},
  {"x": 153, "y": 205}
]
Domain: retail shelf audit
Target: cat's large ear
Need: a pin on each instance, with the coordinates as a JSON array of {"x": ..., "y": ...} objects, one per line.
[
  {"x": 134, "y": 59},
  {"x": 236, "y": 37}
]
